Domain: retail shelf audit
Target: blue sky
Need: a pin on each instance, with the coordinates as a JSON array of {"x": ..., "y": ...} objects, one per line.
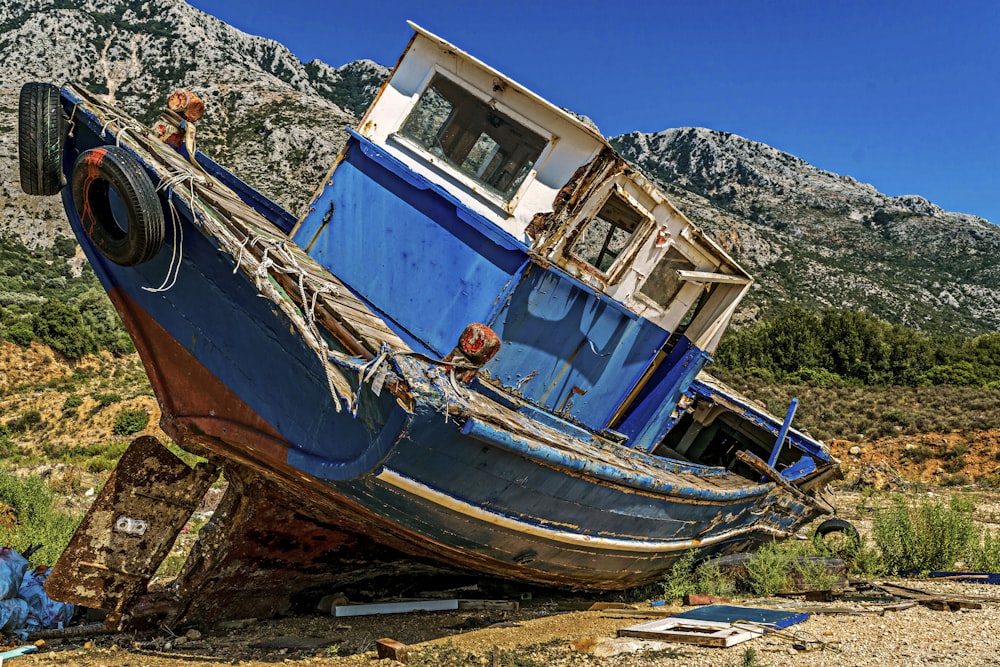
[{"x": 902, "y": 95}]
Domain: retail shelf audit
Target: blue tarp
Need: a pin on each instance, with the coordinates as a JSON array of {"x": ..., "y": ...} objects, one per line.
[
  {"x": 968, "y": 577},
  {"x": 724, "y": 613},
  {"x": 24, "y": 605}
]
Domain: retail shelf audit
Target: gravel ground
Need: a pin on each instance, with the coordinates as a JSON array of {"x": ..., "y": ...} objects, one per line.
[{"x": 540, "y": 636}]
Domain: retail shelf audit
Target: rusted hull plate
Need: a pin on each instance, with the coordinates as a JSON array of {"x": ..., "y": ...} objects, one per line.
[
  {"x": 263, "y": 548},
  {"x": 129, "y": 529}
]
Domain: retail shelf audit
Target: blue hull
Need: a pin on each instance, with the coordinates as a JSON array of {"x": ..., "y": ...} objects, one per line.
[{"x": 547, "y": 477}]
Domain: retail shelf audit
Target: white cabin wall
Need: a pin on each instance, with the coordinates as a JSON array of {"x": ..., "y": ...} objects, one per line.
[{"x": 571, "y": 146}]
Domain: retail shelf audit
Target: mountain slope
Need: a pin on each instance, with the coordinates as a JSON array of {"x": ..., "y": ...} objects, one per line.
[{"x": 274, "y": 119}]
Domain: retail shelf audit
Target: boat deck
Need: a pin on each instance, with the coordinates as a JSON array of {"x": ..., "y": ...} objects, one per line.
[{"x": 255, "y": 243}]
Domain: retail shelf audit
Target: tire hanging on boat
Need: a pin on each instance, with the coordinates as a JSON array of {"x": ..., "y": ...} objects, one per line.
[
  {"x": 41, "y": 136},
  {"x": 118, "y": 205}
]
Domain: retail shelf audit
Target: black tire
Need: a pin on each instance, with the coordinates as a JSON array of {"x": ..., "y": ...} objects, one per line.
[
  {"x": 844, "y": 541},
  {"x": 41, "y": 136},
  {"x": 837, "y": 525},
  {"x": 118, "y": 205}
]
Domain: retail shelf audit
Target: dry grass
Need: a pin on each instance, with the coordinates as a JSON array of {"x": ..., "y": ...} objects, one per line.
[{"x": 857, "y": 413}]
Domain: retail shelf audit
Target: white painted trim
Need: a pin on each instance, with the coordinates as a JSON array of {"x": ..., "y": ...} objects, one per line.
[
  {"x": 711, "y": 277},
  {"x": 445, "y": 501}
]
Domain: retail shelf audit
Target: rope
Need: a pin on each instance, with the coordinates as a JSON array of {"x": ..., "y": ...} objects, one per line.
[
  {"x": 177, "y": 253},
  {"x": 258, "y": 256},
  {"x": 71, "y": 122}
]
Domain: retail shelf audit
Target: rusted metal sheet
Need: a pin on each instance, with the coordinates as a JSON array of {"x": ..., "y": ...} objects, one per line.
[
  {"x": 547, "y": 228},
  {"x": 129, "y": 529}
]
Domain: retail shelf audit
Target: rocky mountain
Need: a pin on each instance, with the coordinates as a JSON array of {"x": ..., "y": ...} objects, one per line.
[
  {"x": 809, "y": 236},
  {"x": 275, "y": 120}
]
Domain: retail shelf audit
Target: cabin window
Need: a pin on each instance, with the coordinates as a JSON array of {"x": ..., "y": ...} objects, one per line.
[
  {"x": 664, "y": 282},
  {"x": 608, "y": 234},
  {"x": 484, "y": 144}
]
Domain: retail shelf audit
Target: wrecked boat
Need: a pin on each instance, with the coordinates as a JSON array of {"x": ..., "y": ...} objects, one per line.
[{"x": 482, "y": 348}]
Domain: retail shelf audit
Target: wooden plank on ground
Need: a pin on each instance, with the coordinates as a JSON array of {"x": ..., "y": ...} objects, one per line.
[
  {"x": 488, "y": 605},
  {"x": 942, "y": 602}
]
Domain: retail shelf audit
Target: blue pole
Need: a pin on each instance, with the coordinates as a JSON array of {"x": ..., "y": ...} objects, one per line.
[{"x": 773, "y": 459}]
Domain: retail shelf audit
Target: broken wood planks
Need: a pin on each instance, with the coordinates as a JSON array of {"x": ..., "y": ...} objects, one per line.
[
  {"x": 488, "y": 605},
  {"x": 942, "y": 602}
]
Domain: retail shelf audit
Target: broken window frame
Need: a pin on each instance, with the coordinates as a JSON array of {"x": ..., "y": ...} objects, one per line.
[
  {"x": 505, "y": 199},
  {"x": 674, "y": 254},
  {"x": 643, "y": 227},
  {"x": 697, "y": 291}
]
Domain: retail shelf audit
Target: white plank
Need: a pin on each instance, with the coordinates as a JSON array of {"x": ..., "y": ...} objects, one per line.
[{"x": 394, "y": 607}]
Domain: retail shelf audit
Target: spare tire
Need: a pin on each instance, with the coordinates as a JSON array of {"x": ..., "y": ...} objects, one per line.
[
  {"x": 118, "y": 206},
  {"x": 837, "y": 537},
  {"x": 837, "y": 525},
  {"x": 41, "y": 136}
]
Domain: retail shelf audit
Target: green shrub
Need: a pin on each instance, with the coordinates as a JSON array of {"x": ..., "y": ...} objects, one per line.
[
  {"x": 749, "y": 658},
  {"x": 712, "y": 581},
  {"x": 32, "y": 505},
  {"x": 687, "y": 576},
  {"x": 930, "y": 535},
  {"x": 61, "y": 327},
  {"x": 21, "y": 333},
  {"x": 920, "y": 453},
  {"x": 984, "y": 553},
  {"x": 107, "y": 398},
  {"x": 130, "y": 421},
  {"x": 680, "y": 581},
  {"x": 859, "y": 558},
  {"x": 72, "y": 401},
  {"x": 24, "y": 422},
  {"x": 955, "y": 479},
  {"x": 767, "y": 571}
]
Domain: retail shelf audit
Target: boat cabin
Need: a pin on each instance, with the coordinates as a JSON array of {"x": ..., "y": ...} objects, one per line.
[{"x": 464, "y": 197}]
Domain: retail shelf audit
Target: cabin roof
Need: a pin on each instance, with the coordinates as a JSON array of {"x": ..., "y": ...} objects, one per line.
[{"x": 469, "y": 58}]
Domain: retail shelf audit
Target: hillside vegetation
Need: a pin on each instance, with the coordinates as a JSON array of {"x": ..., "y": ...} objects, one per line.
[{"x": 50, "y": 295}]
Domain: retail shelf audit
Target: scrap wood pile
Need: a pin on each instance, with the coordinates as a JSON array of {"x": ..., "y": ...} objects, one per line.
[{"x": 891, "y": 597}]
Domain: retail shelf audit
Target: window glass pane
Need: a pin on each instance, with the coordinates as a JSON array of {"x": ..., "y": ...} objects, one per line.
[
  {"x": 663, "y": 282},
  {"x": 608, "y": 234},
  {"x": 474, "y": 138}
]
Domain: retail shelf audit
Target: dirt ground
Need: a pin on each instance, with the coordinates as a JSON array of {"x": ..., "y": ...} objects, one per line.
[{"x": 544, "y": 633}]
